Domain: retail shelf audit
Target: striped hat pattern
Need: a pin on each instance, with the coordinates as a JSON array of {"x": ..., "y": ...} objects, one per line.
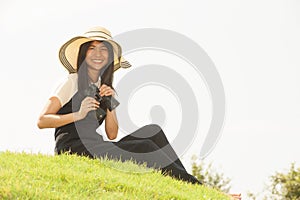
[{"x": 68, "y": 53}]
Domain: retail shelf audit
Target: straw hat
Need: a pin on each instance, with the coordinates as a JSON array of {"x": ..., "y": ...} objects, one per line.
[{"x": 68, "y": 53}]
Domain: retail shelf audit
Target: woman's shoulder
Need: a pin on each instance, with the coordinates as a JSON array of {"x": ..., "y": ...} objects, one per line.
[
  {"x": 66, "y": 88},
  {"x": 73, "y": 77}
]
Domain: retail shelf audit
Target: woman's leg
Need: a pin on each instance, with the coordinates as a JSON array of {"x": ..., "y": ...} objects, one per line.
[
  {"x": 145, "y": 150},
  {"x": 172, "y": 165},
  {"x": 142, "y": 151},
  {"x": 154, "y": 133}
]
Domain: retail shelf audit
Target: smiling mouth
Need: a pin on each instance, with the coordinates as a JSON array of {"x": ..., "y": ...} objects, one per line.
[{"x": 97, "y": 61}]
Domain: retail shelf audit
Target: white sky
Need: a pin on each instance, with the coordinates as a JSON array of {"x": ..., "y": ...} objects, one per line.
[{"x": 254, "y": 45}]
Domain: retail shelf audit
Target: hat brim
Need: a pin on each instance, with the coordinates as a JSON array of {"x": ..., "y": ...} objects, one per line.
[{"x": 68, "y": 53}]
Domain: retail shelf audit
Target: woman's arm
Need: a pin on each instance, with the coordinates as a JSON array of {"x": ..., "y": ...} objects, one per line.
[
  {"x": 111, "y": 124},
  {"x": 50, "y": 119},
  {"x": 111, "y": 121}
]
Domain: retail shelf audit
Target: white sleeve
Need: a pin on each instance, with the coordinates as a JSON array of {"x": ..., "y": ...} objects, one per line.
[{"x": 65, "y": 91}]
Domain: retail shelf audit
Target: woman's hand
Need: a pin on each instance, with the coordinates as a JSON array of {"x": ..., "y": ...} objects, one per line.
[
  {"x": 106, "y": 91},
  {"x": 87, "y": 105}
]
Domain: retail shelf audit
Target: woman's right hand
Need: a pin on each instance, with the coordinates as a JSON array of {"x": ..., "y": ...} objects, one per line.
[{"x": 87, "y": 105}]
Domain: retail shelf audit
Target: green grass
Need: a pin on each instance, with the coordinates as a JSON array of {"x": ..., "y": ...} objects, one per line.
[{"x": 38, "y": 176}]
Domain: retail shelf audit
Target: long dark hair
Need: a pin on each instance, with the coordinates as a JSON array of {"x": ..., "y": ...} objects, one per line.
[{"x": 106, "y": 72}]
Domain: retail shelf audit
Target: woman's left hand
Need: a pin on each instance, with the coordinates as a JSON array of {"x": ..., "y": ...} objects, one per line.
[{"x": 106, "y": 91}]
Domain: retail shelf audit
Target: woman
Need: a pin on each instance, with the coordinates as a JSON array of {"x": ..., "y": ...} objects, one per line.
[{"x": 92, "y": 59}]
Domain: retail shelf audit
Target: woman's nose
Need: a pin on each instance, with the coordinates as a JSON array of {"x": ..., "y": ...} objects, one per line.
[{"x": 98, "y": 52}]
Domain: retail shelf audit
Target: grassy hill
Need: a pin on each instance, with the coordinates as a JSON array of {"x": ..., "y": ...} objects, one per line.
[{"x": 37, "y": 176}]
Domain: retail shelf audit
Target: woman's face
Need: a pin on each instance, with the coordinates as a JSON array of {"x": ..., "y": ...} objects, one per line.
[{"x": 97, "y": 55}]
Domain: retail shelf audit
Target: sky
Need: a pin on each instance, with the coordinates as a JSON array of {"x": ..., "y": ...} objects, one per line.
[{"x": 253, "y": 45}]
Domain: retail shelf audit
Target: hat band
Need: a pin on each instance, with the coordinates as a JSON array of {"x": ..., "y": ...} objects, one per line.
[
  {"x": 97, "y": 33},
  {"x": 97, "y": 36}
]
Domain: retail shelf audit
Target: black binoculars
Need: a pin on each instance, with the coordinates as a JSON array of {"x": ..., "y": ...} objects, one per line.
[{"x": 106, "y": 102}]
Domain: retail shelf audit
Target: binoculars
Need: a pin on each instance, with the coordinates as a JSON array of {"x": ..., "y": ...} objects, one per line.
[{"x": 106, "y": 102}]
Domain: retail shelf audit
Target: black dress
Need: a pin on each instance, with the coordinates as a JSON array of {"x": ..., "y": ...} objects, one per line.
[{"x": 146, "y": 145}]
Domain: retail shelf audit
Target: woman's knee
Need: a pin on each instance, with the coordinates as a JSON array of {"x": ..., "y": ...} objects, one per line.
[
  {"x": 147, "y": 131},
  {"x": 153, "y": 128}
]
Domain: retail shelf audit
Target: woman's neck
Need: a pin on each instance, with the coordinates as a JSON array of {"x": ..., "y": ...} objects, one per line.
[{"x": 93, "y": 76}]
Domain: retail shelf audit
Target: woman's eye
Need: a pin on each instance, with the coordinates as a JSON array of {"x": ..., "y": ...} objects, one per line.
[{"x": 98, "y": 48}]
